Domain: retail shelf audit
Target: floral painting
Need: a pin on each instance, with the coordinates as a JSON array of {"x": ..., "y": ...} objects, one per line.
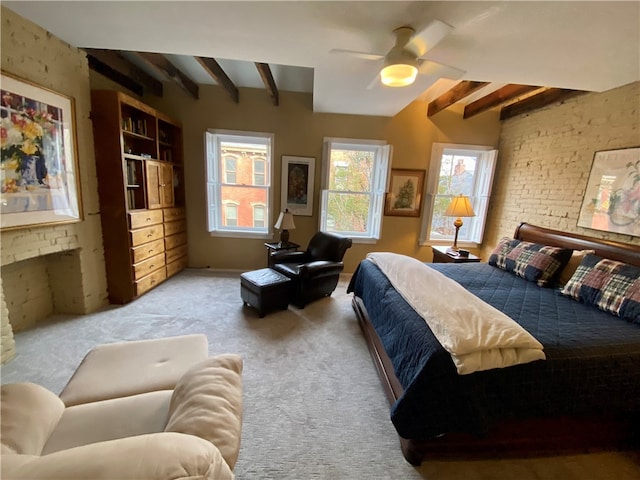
[
  {"x": 297, "y": 184},
  {"x": 38, "y": 166},
  {"x": 612, "y": 197}
]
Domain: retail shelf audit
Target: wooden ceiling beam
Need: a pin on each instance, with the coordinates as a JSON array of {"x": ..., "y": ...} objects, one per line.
[
  {"x": 498, "y": 97},
  {"x": 269, "y": 82},
  {"x": 216, "y": 72},
  {"x": 458, "y": 92},
  {"x": 164, "y": 66},
  {"x": 539, "y": 100},
  {"x": 114, "y": 66}
]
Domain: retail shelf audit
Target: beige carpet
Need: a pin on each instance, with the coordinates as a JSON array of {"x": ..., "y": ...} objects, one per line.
[{"x": 314, "y": 407}]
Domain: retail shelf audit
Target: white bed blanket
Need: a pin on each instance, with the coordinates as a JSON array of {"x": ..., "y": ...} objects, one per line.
[{"x": 477, "y": 335}]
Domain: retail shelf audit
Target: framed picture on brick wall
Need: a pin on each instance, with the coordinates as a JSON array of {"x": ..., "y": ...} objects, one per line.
[
  {"x": 611, "y": 200},
  {"x": 39, "y": 166}
]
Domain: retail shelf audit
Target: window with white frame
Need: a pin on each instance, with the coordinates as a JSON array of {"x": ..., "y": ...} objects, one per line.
[
  {"x": 230, "y": 166},
  {"x": 354, "y": 178},
  {"x": 454, "y": 170},
  {"x": 259, "y": 170},
  {"x": 239, "y": 176},
  {"x": 230, "y": 214},
  {"x": 258, "y": 216}
]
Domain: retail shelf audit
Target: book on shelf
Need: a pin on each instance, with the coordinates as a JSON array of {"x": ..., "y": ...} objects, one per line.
[
  {"x": 131, "y": 199},
  {"x": 132, "y": 178},
  {"x": 138, "y": 126}
]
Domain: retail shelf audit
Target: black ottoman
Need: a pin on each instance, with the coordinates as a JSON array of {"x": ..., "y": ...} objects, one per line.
[{"x": 265, "y": 290}]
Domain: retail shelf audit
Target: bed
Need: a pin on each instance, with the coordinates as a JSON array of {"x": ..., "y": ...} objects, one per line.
[{"x": 584, "y": 395}]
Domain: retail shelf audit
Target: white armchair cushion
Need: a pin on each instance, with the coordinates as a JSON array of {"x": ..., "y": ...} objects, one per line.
[
  {"x": 207, "y": 403},
  {"x": 109, "y": 420},
  {"x": 155, "y": 456},
  {"x": 117, "y": 370},
  {"x": 28, "y": 415}
]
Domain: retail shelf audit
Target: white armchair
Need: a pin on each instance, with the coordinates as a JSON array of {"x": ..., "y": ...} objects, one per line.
[{"x": 189, "y": 431}]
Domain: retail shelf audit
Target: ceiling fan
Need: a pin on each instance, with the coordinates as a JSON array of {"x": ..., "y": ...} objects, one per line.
[{"x": 402, "y": 64}]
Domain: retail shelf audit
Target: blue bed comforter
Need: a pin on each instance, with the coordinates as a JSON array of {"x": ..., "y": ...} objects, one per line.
[{"x": 592, "y": 366}]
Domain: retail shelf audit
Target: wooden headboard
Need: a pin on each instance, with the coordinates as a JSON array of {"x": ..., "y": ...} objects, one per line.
[{"x": 621, "y": 252}]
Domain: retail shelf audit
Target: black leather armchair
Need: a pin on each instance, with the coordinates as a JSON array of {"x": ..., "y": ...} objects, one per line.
[{"x": 315, "y": 272}]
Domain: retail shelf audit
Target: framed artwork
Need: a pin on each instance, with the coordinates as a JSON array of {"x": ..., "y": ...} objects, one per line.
[
  {"x": 404, "y": 198},
  {"x": 611, "y": 200},
  {"x": 39, "y": 180},
  {"x": 298, "y": 174}
]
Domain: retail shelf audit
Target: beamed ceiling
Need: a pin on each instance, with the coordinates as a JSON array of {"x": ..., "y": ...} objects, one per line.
[{"x": 511, "y": 56}]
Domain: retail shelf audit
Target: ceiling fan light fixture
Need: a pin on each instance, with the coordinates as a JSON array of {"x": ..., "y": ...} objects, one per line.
[{"x": 398, "y": 75}]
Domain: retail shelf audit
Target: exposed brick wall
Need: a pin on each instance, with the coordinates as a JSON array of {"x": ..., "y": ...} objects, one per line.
[
  {"x": 76, "y": 282},
  {"x": 545, "y": 157},
  {"x": 27, "y": 295},
  {"x": 8, "y": 350}
]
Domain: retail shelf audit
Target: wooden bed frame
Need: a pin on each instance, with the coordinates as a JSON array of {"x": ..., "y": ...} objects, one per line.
[{"x": 537, "y": 436}]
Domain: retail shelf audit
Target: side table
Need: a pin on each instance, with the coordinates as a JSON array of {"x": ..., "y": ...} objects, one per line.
[
  {"x": 442, "y": 255},
  {"x": 277, "y": 246}
]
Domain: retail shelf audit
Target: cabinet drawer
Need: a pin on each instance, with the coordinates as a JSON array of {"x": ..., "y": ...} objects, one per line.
[
  {"x": 144, "y": 218},
  {"x": 147, "y": 234},
  {"x": 171, "y": 228},
  {"x": 174, "y": 213},
  {"x": 175, "y": 241},
  {"x": 150, "y": 281},
  {"x": 175, "y": 253},
  {"x": 147, "y": 250},
  {"x": 147, "y": 266},
  {"x": 175, "y": 267}
]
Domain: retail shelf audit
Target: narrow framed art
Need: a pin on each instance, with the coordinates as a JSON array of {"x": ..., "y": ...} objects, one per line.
[
  {"x": 404, "y": 198},
  {"x": 39, "y": 176},
  {"x": 611, "y": 200},
  {"x": 298, "y": 175}
]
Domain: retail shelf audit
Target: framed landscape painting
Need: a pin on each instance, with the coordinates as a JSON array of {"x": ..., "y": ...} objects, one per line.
[
  {"x": 39, "y": 181},
  {"x": 612, "y": 198},
  {"x": 404, "y": 197},
  {"x": 298, "y": 174}
]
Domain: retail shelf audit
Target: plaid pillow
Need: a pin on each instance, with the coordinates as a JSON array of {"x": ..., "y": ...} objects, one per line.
[
  {"x": 609, "y": 285},
  {"x": 537, "y": 263},
  {"x": 499, "y": 254}
]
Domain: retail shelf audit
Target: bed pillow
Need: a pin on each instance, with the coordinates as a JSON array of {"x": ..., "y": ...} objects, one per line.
[
  {"x": 498, "y": 257},
  {"x": 572, "y": 265},
  {"x": 609, "y": 285},
  {"x": 531, "y": 261}
]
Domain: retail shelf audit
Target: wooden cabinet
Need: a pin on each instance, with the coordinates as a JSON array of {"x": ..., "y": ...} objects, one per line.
[{"x": 141, "y": 187}]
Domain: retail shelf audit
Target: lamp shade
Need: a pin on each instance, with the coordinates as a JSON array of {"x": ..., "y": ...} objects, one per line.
[
  {"x": 398, "y": 75},
  {"x": 460, "y": 206},
  {"x": 285, "y": 221}
]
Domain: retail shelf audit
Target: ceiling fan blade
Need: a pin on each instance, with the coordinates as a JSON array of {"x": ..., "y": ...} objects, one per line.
[
  {"x": 376, "y": 82},
  {"x": 353, "y": 53},
  {"x": 440, "y": 70},
  {"x": 427, "y": 38}
]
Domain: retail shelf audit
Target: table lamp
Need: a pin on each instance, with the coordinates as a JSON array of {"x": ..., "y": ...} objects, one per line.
[
  {"x": 459, "y": 207},
  {"x": 285, "y": 223}
]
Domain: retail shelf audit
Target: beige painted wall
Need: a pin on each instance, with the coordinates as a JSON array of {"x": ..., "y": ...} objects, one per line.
[
  {"x": 545, "y": 158},
  {"x": 30, "y": 52},
  {"x": 300, "y": 131}
]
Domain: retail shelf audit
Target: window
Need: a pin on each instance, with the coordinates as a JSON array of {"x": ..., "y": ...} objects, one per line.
[
  {"x": 239, "y": 183},
  {"x": 354, "y": 180},
  {"x": 258, "y": 216},
  {"x": 230, "y": 163},
  {"x": 455, "y": 170},
  {"x": 259, "y": 166},
  {"x": 230, "y": 214}
]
